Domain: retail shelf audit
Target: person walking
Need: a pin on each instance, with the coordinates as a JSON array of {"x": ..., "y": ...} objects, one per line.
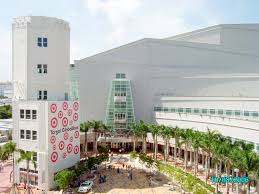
[
  {"x": 128, "y": 174},
  {"x": 123, "y": 165}
]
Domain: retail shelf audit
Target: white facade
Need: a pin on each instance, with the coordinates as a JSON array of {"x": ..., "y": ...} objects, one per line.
[
  {"x": 211, "y": 65},
  {"x": 44, "y": 121}
]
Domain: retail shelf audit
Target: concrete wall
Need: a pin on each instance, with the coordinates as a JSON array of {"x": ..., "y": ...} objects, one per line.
[{"x": 166, "y": 68}]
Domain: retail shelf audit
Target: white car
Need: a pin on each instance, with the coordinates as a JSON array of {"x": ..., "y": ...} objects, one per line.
[{"x": 85, "y": 187}]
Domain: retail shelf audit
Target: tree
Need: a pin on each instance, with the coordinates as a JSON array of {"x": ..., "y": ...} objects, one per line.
[
  {"x": 5, "y": 112},
  {"x": 97, "y": 128},
  {"x": 135, "y": 133},
  {"x": 64, "y": 178},
  {"x": 143, "y": 128},
  {"x": 9, "y": 149},
  {"x": 196, "y": 144},
  {"x": 166, "y": 133},
  {"x": 84, "y": 127},
  {"x": 154, "y": 129},
  {"x": 28, "y": 157},
  {"x": 176, "y": 135},
  {"x": 186, "y": 140}
]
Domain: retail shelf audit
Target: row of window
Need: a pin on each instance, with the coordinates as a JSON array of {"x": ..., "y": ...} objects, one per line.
[
  {"x": 120, "y": 94},
  {"x": 120, "y": 75},
  {"x": 42, "y": 68},
  {"x": 120, "y": 116},
  {"x": 237, "y": 113},
  {"x": 42, "y": 42},
  {"x": 28, "y": 134},
  {"x": 28, "y": 114}
]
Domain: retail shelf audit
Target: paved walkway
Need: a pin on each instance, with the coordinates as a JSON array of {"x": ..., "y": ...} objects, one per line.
[{"x": 5, "y": 183}]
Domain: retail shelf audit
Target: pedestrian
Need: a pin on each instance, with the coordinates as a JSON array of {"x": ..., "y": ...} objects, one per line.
[
  {"x": 149, "y": 181},
  {"x": 104, "y": 178},
  {"x": 131, "y": 176},
  {"x": 128, "y": 174},
  {"x": 120, "y": 151},
  {"x": 123, "y": 165},
  {"x": 118, "y": 170}
]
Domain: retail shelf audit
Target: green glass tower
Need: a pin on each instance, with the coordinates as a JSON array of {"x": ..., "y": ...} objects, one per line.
[
  {"x": 73, "y": 82},
  {"x": 120, "y": 111}
]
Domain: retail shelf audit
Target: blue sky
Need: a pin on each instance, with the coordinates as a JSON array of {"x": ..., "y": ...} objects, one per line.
[{"x": 99, "y": 25}]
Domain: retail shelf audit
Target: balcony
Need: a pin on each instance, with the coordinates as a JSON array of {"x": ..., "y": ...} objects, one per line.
[
  {"x": 119, "y": 98},
  {"x": 121, "y": 120}
]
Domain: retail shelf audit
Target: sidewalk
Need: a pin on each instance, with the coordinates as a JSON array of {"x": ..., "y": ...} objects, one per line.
[{"x": 5, "y": 183}]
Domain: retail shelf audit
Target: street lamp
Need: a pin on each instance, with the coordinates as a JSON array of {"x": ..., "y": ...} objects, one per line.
[{"x": 237, "y": 171}]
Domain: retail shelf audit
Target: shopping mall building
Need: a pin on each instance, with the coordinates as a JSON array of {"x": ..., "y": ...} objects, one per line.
[
  {"x": 203, "y": 79},
  {"x": 206, "y": 78}
]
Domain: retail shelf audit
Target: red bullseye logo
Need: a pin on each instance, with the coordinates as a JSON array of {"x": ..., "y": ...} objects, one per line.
[
  {"x": 71, "y": 139},
  {"x": 52, "y": 139},
  {"x": 60, "y": 114},
  {"x": 64, "y": 122},
  {"x": 69, "y": 112},
  {"x": 76, "y": 150},
  {"x": 71, "y": 122},
  {"x": 75, "y": 106},
  {"x": 75, "y": 117},
  {"x": 61, "y": 145},
  {"x": 54, "y": 157},
  {"x": 69, "y": 148},
  {"x": 65, "y": 106},
  {"x": 53, "y": 108},
  {"x": 54, "y": 147},
  {"x": 76, "y": 134},
  {"x": 54, "y": 122},
  {"x": 66, "y": 136},
  {"x": 64, "y": 155}
]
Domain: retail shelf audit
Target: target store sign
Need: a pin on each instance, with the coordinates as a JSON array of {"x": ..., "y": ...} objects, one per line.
[{"x": 64, "y": 134}]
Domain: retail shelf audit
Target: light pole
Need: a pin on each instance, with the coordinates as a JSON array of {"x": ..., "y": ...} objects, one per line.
[{"x": 237, "y": 171}]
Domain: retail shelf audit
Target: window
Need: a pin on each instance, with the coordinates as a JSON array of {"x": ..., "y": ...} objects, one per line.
[
  {"x": 120, "y": 75},
  {"x": 188, "y": 110},
  {"x": 28, "y": 134},
  {"x": 212, "y": 111},
  {"x": 204, "y": 111},
  {"x": 28, "y": 114},
  {"x": 220, "y": 111},
  {"x": 172, "y": 109},
  {"x": 196, "y": 110},
  {"x": 45, "y": 68},
  {"x": 21, "y": 113},
  {"x": 165, "y": 109},
  {"x": 39, "y": 68},
  {"x": 237, "y": 113},
  {"x": 45, "y": 42},
  {"x": 255, "y": 114},
  {"x": 22, "y": 134},
  {"x": 39, "y": 41},
  {"x": 180, "y": 110},
  {"x": 34, "y": 114},
  {"x": 42, "y": 42},
  {"x": 66, "y": 96},
  {"x": 45, "y": 95},
  {"x": 34, "y": 156},
  {"x": 39, "y": 95},
  {"x": 257, "y": 147},
  {"x": 229, "y": 112},
  {"x": 34, "y": 135},
  {"x": 120, "y": 116},
  {"x": 246, "y": 113}
]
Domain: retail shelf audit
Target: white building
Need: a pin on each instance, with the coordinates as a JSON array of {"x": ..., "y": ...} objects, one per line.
[
  {"x": 44, "y": 120},
  {"x": 203, "y": 79}
]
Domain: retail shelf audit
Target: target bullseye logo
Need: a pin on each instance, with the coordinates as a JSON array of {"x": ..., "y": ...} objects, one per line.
[
  {"x": 64, "y": 155},
  {"x": 69, "y": 148},
  {"x": 75, "y": 106},
  {"x": 69, "y": 112},
  {"x": 54, "y": 156},
  {"x": 66, "y": 136},
  {"x": 71, "y": 122},
  {"x": 76, "y": 134},
  {"x": 60, "y": 114},
  {"x": 64, "y": 122},
  {"x": 52, "y": 139},
  {"x": 54, "y": 122},
  {"x": 61, "y": 145},
  {"x": 53, "y": 108},
  {"x": 71, "y": 139},
  {"x": 75, "y": 117},
  {"x": 76, "y": 150},
  {"x": 65, "y": 106}
]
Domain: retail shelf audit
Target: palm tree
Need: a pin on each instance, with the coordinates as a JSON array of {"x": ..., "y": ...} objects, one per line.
[
  {"x": 154, "y": 129},
  {"x": 135, "y": 133},
  {"x": 97, "y": 126},
  {"x": 143, "y": 128},
  {"x": 176, "y": 135},
  {"x": 166, "y": 133},
  {"x": 106, "y": 129},
  {"x": 9, "y": 149},
  {"x": 28, "y": 157},
  {"x": 196, "y": 144},
  {"x": 84, "y": 127},
  {"x": 184, "y": 140}
]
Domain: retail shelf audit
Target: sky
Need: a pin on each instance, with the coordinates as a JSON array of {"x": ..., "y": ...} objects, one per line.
[{"x": 99, "y": 25}]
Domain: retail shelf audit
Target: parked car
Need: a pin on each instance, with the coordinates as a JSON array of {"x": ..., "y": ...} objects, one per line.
[{"x": 85, "y": 187}]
